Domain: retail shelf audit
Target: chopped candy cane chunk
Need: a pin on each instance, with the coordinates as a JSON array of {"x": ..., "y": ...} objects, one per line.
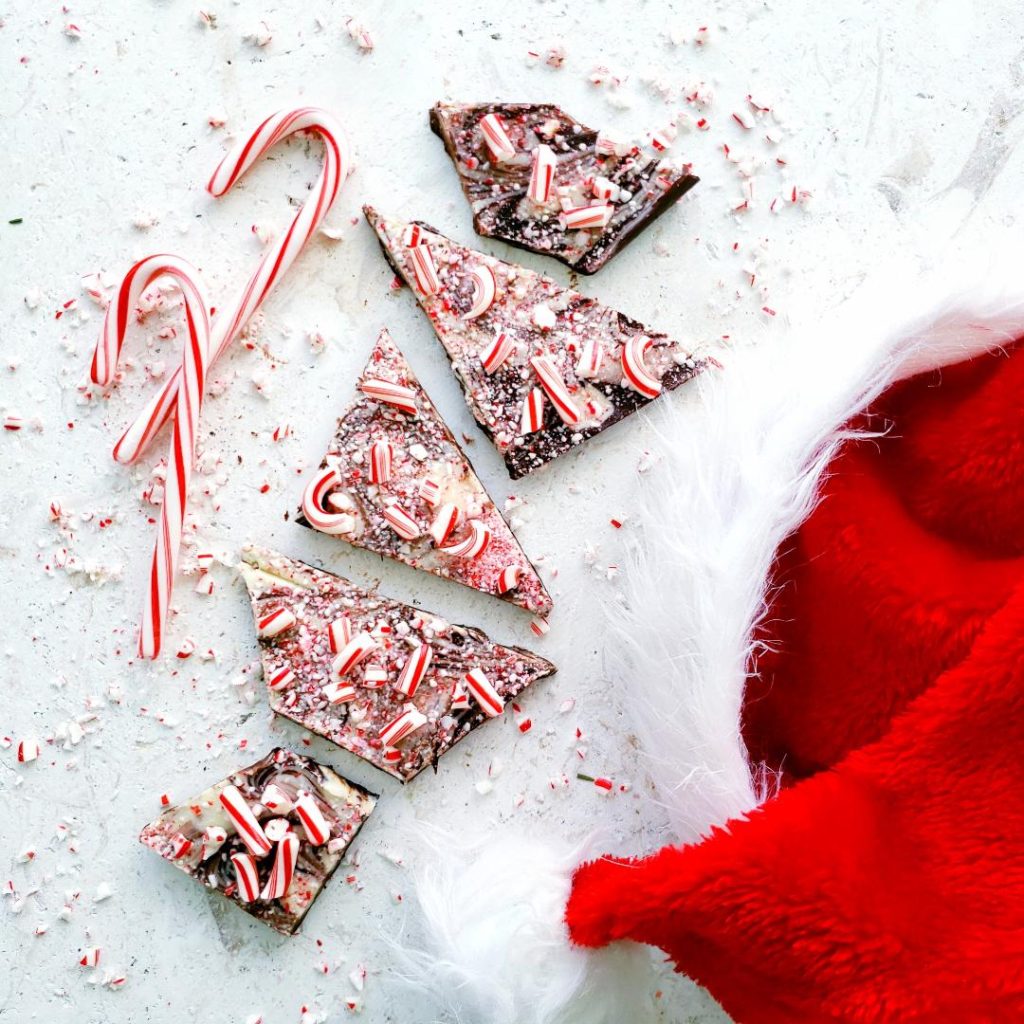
[
  {"x": 414, "y": 670},
  {"x": 275, "y": 799},
  {"x": 248, "y": 828},
  {"x": 390, "y": 394},
  {"x": 444, "y": 522},
  {"x": 381, "y": 457},
  {"x": 554, "y": 386},
  {"x": 352, "y": 653},
  {"x": 533, "y": 412},
  {"x": 284, "y": 865},
  {"x": 496, "y": 354},
  {"x": 313, "y": 821},
  {"x": 339, "y": 633},
  {"x": 275, "y": 622},
  {"x": 485, "y": 288},
  {"x": 635, "y": 371},
  {"x": 509, "y": 579},
  {"x": 246, "y": 876},
  {"x": 486, "y": 696},
  {"x": 28, "y": 750},
  {"x": 582, "y": 217},
  {"x": 401, "y": 522},
  {"x": 496, "y": 138},
  {"x": 472, "y": 546},
  {"x": 404, "y": 725},
  {"x": 542, "y": 176},
  {"x": 282, "y": 679},
  {"x": 339, "y": 693}
]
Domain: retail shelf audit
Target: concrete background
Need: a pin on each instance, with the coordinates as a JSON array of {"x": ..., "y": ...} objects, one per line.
[{"x": 901, "y": 123}]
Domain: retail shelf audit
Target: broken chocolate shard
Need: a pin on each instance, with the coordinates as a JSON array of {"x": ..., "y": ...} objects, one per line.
[
  {"x": 495, "y": 149},
  {"x": 387, "y": 681},
  {"x": 267, "y": 837},
  {"x": 543, "y": 368},
  {"x": 399, "y": 485}
]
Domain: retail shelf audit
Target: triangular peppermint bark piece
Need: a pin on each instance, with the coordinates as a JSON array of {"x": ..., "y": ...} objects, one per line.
[
  {"x": 395, "y": 481},
  {"x": 543, "y": 367},
  {"x": 267, "y": 837},
  {"x": 538, "y": 179},
  {"x": 395, "y": 685}
]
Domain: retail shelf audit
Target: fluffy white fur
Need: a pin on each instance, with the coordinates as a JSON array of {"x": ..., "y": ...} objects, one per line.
[{"x": 740, "y": 469}]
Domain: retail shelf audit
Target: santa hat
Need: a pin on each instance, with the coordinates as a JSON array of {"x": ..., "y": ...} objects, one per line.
[{"x": 826, "y": 658}]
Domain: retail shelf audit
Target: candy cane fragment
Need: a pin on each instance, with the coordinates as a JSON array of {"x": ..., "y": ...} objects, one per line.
[
  {"x": 533, "y": 412},
  {"x": 339, "y": 693},
  {"x": 586, "y": 217},
  {"x": 90, "y": 957},
  {"x": 539, "y": 627},
  {"x": 591, "y": 358},
  {"x": 414, "y": 669},
  {"x": 634, "y": 369},
  {"x": 385, "y": 391},
  {"x": 496, "y": 354},
  {"x": 542, "y": 176},
  {"x": 352, "y": 653},
  {"x": 214, "y": 837},
  {"x": 496, "y": 138},
  {"x": 401, "y": 522},
  {"x": 444, "y": 522},
  {"x": 245, "y": 822},
  {"x": 275, "y": 622},
  {"x": 509, "y": 578},
  {"x": 313, "y": 821},
  {"x": 472, "y": 546},
  {"x": 430, "y": 491},
  {"x": 424, "y": 269},
  {"x": 485, "y": 288},
  {"x": 406, "y": 723},
  {"x": 314, "y": 499},
  {"x": 180, "y": 847},
  {"x": 275, "y": 799},
  {"x": 553, "y": 385},
  {"x": 246, "y": 876},
  {"x": 28, "y": 750},
  {"x": 374, "y": 677},
  {"x": 339, "y": 633},
  {"x": 284, "y": 866},
  {"x": 282, "y": 679},
  {"x": 460, "y": 698},
  {"x": 484, "y": 693},
  {"x": 381, "y": 457}
]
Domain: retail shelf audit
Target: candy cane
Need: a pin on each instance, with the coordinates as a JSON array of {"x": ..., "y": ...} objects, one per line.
[
  {"x": 509, "y": 578},
  {"x": 247, "y": 826},
  {"x": 246, "y": 876},
  {"x": 284, "y": 866},
  {"x": 485, "y": 287},
  {"x": 543, "y": 175},
  {"x": 275, "y": 622},
  {"x": 352, "y": 653},
  {"x": 339, "y": 632},
  {"x": 586, "y": 217},
  {"x": 635, "y": 370},
  {"x": 414, "y": 669},
  {"x": 484, "y": 693},
  {"x": 382, "y": 456},
  {"x": 494, "y": 355},
  {"x": 389, "y": 393},
  {"x": 552, "y": 383},
  {"x": 187, "y": 400},
  {"x": 444, "y": 522},
  {"x": 314, "y": 499},
  {"x": 496, "y": 137},
  {"x": 407, "y": 722},
  {"x": 275, "y": 262},
  {"x": 312, "y": 818},
  {"x": 472, "y": 546}
]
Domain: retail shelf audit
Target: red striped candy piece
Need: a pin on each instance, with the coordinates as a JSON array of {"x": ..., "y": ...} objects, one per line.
[
  {"x": 485, "y": 288},
  {"x": 314, "y": 505},
  {"x": 634, "y": 369},
  {"x": 542, "y": 177},
  {"x": 591, "y": 358},
  {"x": 604, "y": 188},
  {"x": 313, "y": 821},
  {"x": 281, "y": 679},
  {"x": 284, "y": 867},
  {"x": 484, "y": 693},
  {"x": 180, "y": 847},
  {"x": 339, "y": 632},
  {"x": 497, "y": 352},
  {"x": 245, "y": 822},
  {"x": 392, "y": 756},
  {"x": 553, "y": 385},
  {"x": 414, "y": 669},
  {"x": 246, "y": 876},
  {"x": 275, "y": 799},
  {"x": 214, "y": 837},
  {"x": 472, "y": 546},
  {"x": 412, "y": 236},
  {"x": 460, "y": 698},
  {"x": 401, "y": 522},
  {"x": 390, "y": 394},
  {"x": 374, "y": 677},
  {"x": 509, "y": 579},
  {"x": 430, "y": 491},
  {"x": 381, "y": 457},
  {"x": 90, "y": 957},
  {"x": 339, "y": 693},
  {"x": 496, "y": 138},
  {"x": 533, "y": 412},
  {"x": 28, "y": 750},
  {"x": 277, "y": 829},
  {"x": 352, "y": 653},
  {"x": 424, "y": 269},
  {"x": 275, "y": 622},
  {"x": 586, "y": 217},
  {"x": 540, "y": 627},
  {"x": 444, "y": 522},
  {"x": 406, "y": 723}
]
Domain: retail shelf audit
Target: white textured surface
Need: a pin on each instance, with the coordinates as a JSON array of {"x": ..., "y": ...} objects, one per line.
[{"x": 890, "y": 120}]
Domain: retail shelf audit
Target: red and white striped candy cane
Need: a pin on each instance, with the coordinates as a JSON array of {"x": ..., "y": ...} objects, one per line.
[
  {"x": 275, "y": 262},
  {"x": 187, "y": 401}
]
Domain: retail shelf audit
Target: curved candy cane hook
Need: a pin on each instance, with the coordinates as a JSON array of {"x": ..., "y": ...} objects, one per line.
[
  {"x": 275, "y": 261},
  {"x": 188, "y": 400}
]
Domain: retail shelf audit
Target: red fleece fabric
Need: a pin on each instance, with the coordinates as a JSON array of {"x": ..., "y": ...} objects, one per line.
[{"x": 886, "y": 881}]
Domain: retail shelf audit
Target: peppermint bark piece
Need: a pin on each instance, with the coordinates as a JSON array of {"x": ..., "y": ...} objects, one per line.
[
  {"x": 538, "y": 179},
  {"x": 394, "y": 685},
  {"x": 396, "y": 482},
  {"x": 543, "y": 367},
  {"x": 267, "y": 837}
]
